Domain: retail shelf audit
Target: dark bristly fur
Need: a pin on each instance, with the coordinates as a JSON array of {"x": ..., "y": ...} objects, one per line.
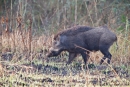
[
  {"x": 73, "y": 30},
  {"x": 78, "y": 37}
]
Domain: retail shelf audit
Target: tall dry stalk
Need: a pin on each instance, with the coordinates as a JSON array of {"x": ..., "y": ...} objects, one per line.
[
  {"x": 1, "y": 70},
  {"x": 20, "y": 27},
  {"x": 30, "y": 34},
  {"x": 1, "y": 21},
  {"x": 75, "y": 12},
  {"x": 7, "y": 29},
  {"x": 89, "y": 14}
]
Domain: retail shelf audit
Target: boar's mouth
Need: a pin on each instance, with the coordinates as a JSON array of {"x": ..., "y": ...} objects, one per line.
[{"x": 53, "y": 52}]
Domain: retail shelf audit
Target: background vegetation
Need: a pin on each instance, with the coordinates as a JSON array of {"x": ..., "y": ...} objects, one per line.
[{"x": 28, "y": 26}]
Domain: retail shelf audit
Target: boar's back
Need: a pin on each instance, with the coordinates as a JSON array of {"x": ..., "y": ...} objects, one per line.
[{"x": 73, "y": 31}]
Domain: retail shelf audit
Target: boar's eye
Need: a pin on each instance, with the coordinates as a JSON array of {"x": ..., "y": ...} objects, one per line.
[{"x": 63, "y": 38}]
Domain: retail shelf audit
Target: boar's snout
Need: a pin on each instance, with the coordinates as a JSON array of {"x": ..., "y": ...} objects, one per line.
[{"x": 53, "y": 52}]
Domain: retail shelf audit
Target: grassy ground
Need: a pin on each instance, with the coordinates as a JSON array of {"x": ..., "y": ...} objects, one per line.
[{"x": 56, "y": 73}]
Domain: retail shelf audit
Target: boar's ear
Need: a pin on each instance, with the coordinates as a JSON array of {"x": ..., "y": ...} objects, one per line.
[{"x": 62, "y": 38}]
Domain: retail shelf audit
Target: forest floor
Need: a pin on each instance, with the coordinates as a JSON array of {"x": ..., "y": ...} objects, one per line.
[{"x": 54, "y": 72}]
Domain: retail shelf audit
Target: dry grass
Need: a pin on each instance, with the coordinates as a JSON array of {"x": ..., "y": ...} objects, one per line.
[
  {"x": 1, "y": 71},
  {"x": 14, "y": 42}
]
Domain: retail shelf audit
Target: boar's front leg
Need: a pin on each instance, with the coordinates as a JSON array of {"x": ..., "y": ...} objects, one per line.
[
  {"x": 105, "y": 51},
  {"x": 71, "y": 57},
  {"x": 85, "y": 56}
]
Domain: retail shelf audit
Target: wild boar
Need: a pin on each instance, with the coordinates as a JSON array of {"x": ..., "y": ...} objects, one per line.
[{"x": 78, "y": 39}]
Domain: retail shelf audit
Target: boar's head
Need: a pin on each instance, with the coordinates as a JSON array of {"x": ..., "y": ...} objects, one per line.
[{"x": 58, "y": 46}]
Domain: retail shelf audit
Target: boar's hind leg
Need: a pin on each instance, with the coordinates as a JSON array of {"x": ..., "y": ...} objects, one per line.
[
  {"x": 71, "y": 57},
  {"x": 104, "y": 49}
]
